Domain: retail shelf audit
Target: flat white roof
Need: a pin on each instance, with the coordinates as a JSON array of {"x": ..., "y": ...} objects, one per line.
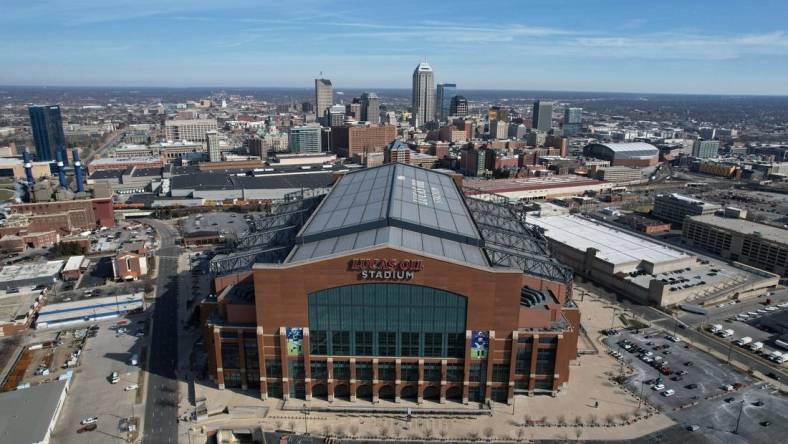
[
  {"x": 73, "y": 263},
  {"x": 614, "y": 246},
  {"x": 11, "y": 273}
]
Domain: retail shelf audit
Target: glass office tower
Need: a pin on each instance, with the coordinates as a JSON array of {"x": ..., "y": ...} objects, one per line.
[{"x": 47, "y": 127}]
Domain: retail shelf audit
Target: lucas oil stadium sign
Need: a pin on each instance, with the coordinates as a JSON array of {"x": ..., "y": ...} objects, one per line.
[{"x": 386, "y": 269}]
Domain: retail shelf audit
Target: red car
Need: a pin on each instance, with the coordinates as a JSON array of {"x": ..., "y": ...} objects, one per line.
[
  {"x": 665, "y": 371},
  {"x": 87, "y": 428}
]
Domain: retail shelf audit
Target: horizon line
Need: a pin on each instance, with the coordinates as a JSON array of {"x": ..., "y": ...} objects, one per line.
[{"x": 307, "y": 88}]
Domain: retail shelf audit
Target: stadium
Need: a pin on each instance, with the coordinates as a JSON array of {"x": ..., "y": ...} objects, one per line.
[{"x": 393, "y": 286}]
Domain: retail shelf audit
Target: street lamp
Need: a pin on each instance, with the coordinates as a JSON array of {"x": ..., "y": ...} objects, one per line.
[{"x": 306, "y": 421}]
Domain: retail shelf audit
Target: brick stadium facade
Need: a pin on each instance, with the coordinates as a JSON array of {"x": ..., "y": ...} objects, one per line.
[{"x": 388, "y": 321}]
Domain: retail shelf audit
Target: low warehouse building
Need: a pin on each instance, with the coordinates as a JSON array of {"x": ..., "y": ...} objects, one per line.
[
  {"x": 30, "y": 415},
  {"x": 89, "y": 310},
  {"x": 30, "y": 275},
  {"x": 636, "y": 267}
]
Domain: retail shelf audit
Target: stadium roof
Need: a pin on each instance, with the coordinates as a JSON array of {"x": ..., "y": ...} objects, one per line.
[
  {"x": 630, "y": 147},
  {"x": 393, "y": 204}
]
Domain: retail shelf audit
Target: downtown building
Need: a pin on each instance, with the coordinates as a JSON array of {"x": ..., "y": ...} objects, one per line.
[
  {"x": 423, "y": 95},
  {"x": 192, "y": 130},
  {"x": 398, "y": 288},
  {"x": 46, "y": 124},
  {"x": 360, "y": 140}
]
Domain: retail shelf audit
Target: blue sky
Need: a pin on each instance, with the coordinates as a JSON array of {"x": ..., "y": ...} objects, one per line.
[{"x": 682, "y": 46}]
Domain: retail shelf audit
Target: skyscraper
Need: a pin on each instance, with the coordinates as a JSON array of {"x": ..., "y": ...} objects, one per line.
[
  {"x": 212, "y": 140},
  {"x": 324, "y": 97},
  {"x": 423, "y": 100},
  {"x": 47, "y": 126},
  {"x": 542, "y": 116},
  {"x": 446, "y": 92},
  {"x": 370, "y": 107},
  {"x": 459, "y": 106},
  {"x": 573, "y": 121}
]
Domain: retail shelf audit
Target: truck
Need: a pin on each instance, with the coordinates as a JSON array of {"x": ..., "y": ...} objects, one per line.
[
  {"x": 727, "y": 333},
  {"x": 741, "y": 342},
  {"x": 716, "y": 328},
  {"x": 756, "y": 346},
  {"x": 134, "y": 359},
  {"x": 778, "y": 357}
]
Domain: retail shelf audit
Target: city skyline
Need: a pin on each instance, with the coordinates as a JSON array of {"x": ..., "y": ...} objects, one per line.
[{"x": 601, "y": 46}]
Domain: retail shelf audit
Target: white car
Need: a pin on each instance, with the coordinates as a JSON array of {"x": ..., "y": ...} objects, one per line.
[
  {"x": 669, "y": 392},
  {"x": 88, "y": 420},
  {"x": 658, "y": 387},
  {"x": 131, "y": 387},
  {"x": 727, "y": 388},
  {"x": 771, "y": 308}
]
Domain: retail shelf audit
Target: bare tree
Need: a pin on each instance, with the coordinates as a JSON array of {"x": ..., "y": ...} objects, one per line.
[
  {"x": 279, "y": 424},
  {"x": 327, "y": 430},
  {"x": 488, "y": 432},
  {"x": 443, "y": 433},
  {"x": 578, "y": 420},
  {"x": 428, "y": 432},
  {"x": 562, "y": 420},
  {"x": 543, "y": 420},
  {"x": 340, "y": 430},
  {"x": 474, "y": 435},
  {"x": 384, "y": 431},
  {"x": 624, "y": 417},
  {"x": 353, "y": 430},
  {"x": 526, "y": 420},
  {"x": 396, "y": 431},
  {"x": 578, "y": 433},
  {"x": 291, "y": 424},
  {"x": 609, "y": 419},
  {"x": 520, "y": 434},
  {"x": 592, "y": 419}
]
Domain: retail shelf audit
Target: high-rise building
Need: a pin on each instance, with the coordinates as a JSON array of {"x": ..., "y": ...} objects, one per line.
[
  {"x": 324, "y": 97},
  {"x": 212, "y": 140},
  {"x": 458, "y": 107},
  {"x": 423, "y": 95},
  {"x": 446, "y": 92},
  {"x": 305, "y": 139},
  {"x": 370, "y": 107},
  {"x": 353, "y": 109},
  {"x": 499, "y": 129},
  {"x": 573, "y": 121},
  {"x": 47, "y": 126},
  {"x": 705, "y": 148},
  {"x": 193, "y": 130},
  {"x": 336, "y": 115},
  {"x": 542, "y": 116}
]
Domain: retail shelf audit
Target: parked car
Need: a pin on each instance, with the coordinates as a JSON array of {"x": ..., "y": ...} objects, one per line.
[
  {"x": 131, "y": 387},
  {"x": 668, "y": 393},
  {"x": 88, "y": 420},
  {"x": 658, "y": 387},
  {"x": 691, "y": 386}
]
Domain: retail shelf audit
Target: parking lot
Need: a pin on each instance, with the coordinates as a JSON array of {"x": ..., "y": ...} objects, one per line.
[
  {"x": 705, "y": 392},
  {"x": 92, "y": 394}
]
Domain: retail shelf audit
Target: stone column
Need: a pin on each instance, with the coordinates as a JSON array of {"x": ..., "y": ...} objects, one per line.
[{"x": 217, "y": 349}]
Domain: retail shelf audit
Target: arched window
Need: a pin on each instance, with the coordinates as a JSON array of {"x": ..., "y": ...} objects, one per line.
[{"x": 387, "y": 320}]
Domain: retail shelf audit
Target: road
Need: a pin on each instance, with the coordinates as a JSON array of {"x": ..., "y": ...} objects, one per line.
[{"x": 161, "y": 407}]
